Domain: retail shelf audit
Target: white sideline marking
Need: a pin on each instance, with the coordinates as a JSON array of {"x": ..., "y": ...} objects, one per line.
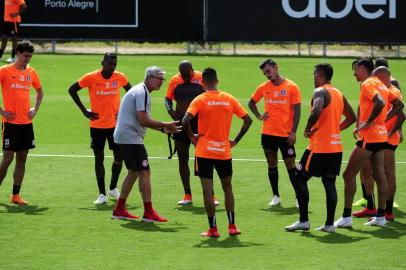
[{"x": 234, "y": 159}]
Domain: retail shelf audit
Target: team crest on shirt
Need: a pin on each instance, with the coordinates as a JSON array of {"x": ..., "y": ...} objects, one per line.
[
  {"x": 283, "y": 92},
  {"x": 145, "y": 163},
  {"x": 114, "y": 84},
  {"x": 28, "y": 78}
]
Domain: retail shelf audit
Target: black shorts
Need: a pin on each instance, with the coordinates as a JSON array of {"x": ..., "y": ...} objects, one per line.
[
  {"x": 391, "y": 147},
  {"x": 320, "y": 164},
  {"x": 18, "y": 137},
  {"x": 182, "y": 136},
  {"x": 372, "y": 147},
  {"x": 10, "y": 28},
  {"x": 135, "y": 156},
  {"x": 98, "y": 137},
  {"x": 272, "y": 143},
  {"x": 204, "y": 167}
]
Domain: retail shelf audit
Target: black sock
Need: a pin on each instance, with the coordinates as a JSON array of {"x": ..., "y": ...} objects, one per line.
[
  {"x": 292, "y": 175},
  {"x": 380, "y": 212},
  {"x": 212, "y": 222},
  {"x": 364, "y": 192},
  {"x": 188, "y": 191},
  {"x": 389, "y": 207},
  {"x": 331, "y": 198},
  {"x": 370, "y": 201},
  {"x": 303, "y": 196},
  {"x": 1, "y": 53},
  {"x": 100, "y": 184},
  {"x": 115, "y": 173},
  {"x": 273, "y": 179},
  {"x": 347, "y": 212},
  {"x": 231, "y": 217},
  {"x": 13, "y": 53},
  {"x": 16, "y": 189}
]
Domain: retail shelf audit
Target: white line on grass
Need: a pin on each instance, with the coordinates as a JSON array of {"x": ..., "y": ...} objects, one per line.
[{"x": 234, "y": 159}]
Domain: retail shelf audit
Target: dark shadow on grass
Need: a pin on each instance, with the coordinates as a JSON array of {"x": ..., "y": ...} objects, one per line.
[
  {"x": 398, "y": 213},
  {"x": 229, "y": 242},
  {"x": 280, "y": 210},
  {"x": 334, "y": 238},
  {"x": 26, "y": 209},
  {"x": 151, "y": 227},
  {"x": 104, "y": 207},
  {"x": 393, "y": 230}
]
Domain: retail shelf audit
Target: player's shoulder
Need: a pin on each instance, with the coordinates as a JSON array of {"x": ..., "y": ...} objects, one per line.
[
  {"x": 119, "y": 74},
  {"x": 176, "y": 78},
  {"x": 290, "y": 84}
]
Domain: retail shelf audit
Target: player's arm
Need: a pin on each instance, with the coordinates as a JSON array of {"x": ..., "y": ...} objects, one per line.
[
  {"x": 398, "y": 125},
  {"x": 127, "y": 86},
  {"x": 397, "y": 106},
  {"x": 38, "y": 101},
  {"x": 296, "y": 119},
  {"x": 349, "y": 115},
  {"x": 254, "y": 109},
  {"x": 396, "y": 84},
  {"x": 247, "y": 121},
  {"x": 378, "y": 106},
  {"x": 169, "y": 108},
  {"x": 317, "y": 108},
  {"x": 166, "y": 127},
  {"x": 73, "y": 92},
  {"x": 187, "y": 128}
]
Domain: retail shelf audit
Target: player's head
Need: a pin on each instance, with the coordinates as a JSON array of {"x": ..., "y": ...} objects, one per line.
[
  {"x": 186, "y": 70},
  {"x": 109, "y": 63},
  {"x": 209, "y": 76},
  {"x": 383, "y": 74},
  {"x": 24, "y": 52},
  {"x": 323, "y": 73},
  {"x": 154, "y": 77},
  {"x": 381, "y": 62},
  {"x": 270, "y": 69},
  {"x": 363, "y": 68}
]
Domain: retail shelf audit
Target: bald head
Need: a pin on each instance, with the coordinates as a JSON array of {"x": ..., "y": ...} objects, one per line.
[
  {"x": 186, "y": 70},
  {"x": 383, "y": 74}
]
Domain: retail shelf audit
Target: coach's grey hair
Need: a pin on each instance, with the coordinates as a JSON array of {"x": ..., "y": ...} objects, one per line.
[{"x": 153, "y": 71}]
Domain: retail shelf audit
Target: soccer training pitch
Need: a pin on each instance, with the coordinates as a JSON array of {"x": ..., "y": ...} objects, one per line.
[{"x": 62, "y": 229}]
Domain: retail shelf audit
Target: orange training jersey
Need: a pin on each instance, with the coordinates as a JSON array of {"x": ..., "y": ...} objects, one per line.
[
  {"x": 104, "y": 96},
  {"x": 278, "y": 103},
  {"x": 326, "y": 137},
  {"x": 177, "y": 79},
  {"x": 12, "y": 6},
  {"x": 15, "y": 86},
  {"x": 215, "y": 110},
  {"x": 395, "y": 138},
  {"x": 377, "y": 131}
]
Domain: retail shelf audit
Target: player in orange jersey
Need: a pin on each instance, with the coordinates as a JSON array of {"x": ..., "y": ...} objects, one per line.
[
  {"x": 18, "y": 134},
  {"x": 213, "y": 146},
  {"x": 104, "y": 91},
  {"x": 372, "y": 140},
  {"x": 12, "y": 11},
  {"x": 323, "y": 156},
  {"x": 280, "y": 121}
]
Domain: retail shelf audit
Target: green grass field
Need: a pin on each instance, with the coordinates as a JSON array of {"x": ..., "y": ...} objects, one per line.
[{"x": 62, "y": 229}]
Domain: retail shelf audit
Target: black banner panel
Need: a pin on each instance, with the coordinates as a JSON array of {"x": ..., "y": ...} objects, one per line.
[
  {"x": 371, "y": 21},
  {"x": 142, "y": 20}
]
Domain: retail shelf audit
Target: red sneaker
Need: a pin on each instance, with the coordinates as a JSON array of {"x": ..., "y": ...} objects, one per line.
[
  {"x": 123, "y": 214},
  {"x": 17, "y": 199},
  {"x": 365, "y": 213},
  {"x": 212, "y": 232},
  {"x": 153, "y": 217},
  {"x": 232, "y": 230},
  {"x": 390, "y": 216}
]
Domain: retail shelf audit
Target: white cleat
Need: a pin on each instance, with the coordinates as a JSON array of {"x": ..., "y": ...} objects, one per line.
[
  {"x": 304, "y": 226},
  {"x": 376, "y": 221},
  {"x": 11, "y": 60},
  {"x": 100, "y": 200},
  {"x": 275, "y": 201},
  {"x": 343, "y": 222},
  {"x": 216, "y": 202},
  {"x": 326, "y": 228},
  {"x": 114, "y": 194}
]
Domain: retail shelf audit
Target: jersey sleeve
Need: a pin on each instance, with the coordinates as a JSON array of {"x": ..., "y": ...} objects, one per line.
[
  {"x": 123, "y": 80},
  {"x": 170, "y": 92},
  {"x": 36, "y": 83},
  {"x": 296, "y": 95},
  {"x": 368, "y": 91},
  {"x": 85, "y": 81},
  {"x": 194, "y": 106},
  {"x": 257, "y": 95}
]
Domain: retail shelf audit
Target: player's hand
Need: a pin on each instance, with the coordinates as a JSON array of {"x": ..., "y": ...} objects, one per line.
[
  {"x": 194, "y": 139},
  {"x": 264, "y": 117},
  {"x": 174, "y": 115},
  {"x": 32, "y": 113},
  {"x": 292, "y": 138},
  {"x": 8, "y": 115},
  {"x": 91, "y": 115},
  {"x": 232, "y": 143},
  {"x": 172, "y": 127}
]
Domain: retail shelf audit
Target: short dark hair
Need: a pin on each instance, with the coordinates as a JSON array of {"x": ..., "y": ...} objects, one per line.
[
  {"x": 268, "y": 61},
  {"x": 367, "y": 62},
  {"x": 209, "y": 75},
  {"x": 326, "y": 69},
  {"x": 25, "y": 46},
  {"x": 381, "y": 62},
  {"x": 109, "y": 55}
]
